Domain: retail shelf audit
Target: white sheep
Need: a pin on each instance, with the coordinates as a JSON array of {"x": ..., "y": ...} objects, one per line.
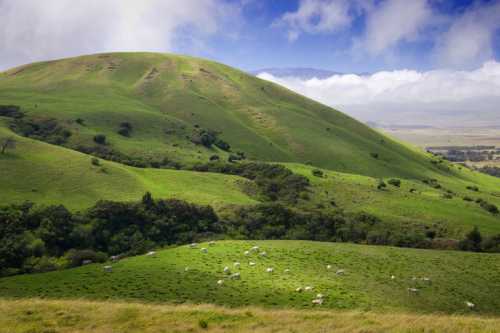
[
  {"x": 247, "y": 253},
  {"x": 320, "y": 296},
  {"x": 193, "y": 245},
  {"x": 263, "y": 254},
  {"x": 227, "y": 270},
  {"x": 328, "y": 266},
  {"x": 254, "y": 248},
  {"x": 211, "y": 243},
  {"x": 393, "y": 277},
  {"x": 115, "y": 258},
  {"x": 308, "y": 288},
  {"x": 426, "y": 279},
  {"x": 413, "y": 290},
  {"x": 317, "y": 301},
  {"x": 151, "y": 253},
  {"x": 235, "y": 276},
  {"x": 204, "y": 250},
  {"x": 236, "y": 264},
  {"x": 287, "y": 270},
  {"x": 470, "y": 305},
  {"x": 251, "y": 263},
  {"x": 108, "y": 268},
  {"x": 340, "y": 272},
  {"x": 269, "y": 270},
  {"x": 220, "y": 282},
  {"x": 86, "y": 262},
  {"x": 299, "y": 289}
]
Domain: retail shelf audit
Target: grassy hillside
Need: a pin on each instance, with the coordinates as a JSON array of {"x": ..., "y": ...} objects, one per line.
[
  {"x": 49, "y": 174},
  {"x": 166, "y": 98},
  {"x": 96, "y": 317},
  {"x": 455, "y": 277}
]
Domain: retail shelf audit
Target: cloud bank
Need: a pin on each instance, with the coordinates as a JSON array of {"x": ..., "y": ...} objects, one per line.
[
  {"x": 32, "y": 30},
  {"x": 439, "y": 97}
]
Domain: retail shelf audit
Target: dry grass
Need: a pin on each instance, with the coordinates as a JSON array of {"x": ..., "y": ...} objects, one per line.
[{"x": 42, "y": 316}]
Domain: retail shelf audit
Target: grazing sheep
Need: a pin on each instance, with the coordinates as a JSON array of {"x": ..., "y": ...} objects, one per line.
[
  {"x": 340, "y": 272},
  {"x": 235, "y": 276},
  {"x": 413, "y": 290},
  {"x": 328, "y": 266},
  {"x": 470, "y": 305},
  {"x": 427, "y": 280},
  {"x": 393, "y": 277},
  {"x": 108, "y": 268},
  {"x": 254, "y": 248},
  {"x": 236, "y": 264},
  {"x": 251, "y": 263},
  {"x": 299, "y": 289},
  {"x": 317, "y": 301},
  {"x": 287, "y": 270},
  {"x": 211, "y": 243},
  {"x": 414, "y": 278},
  {"x": 204, "y": 250},
  {"x": 247, "y": 253},
  {"x": 86, "y": 262},
  {"x": 269, "y": 270},
  {"x": 115, "y": 258},
  {"x": 263, "y": 254},
  {"x": 227, "y": 270},
  {"x": 193, "y": 245},
  {"x": 320, "y": 296},
  {"x": 220, "y": 282},
  {"x": 151, "y": 253},
  {"x": 308, "y": 288}
]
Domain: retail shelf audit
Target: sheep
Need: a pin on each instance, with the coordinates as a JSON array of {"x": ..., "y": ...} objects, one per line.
[
  {"x": 287, "y": 270},
  {"x": 393, "y": 277},
  {"x": 186, "y": 269},
  {"x": 211, "y": 243},
  {"x": 235, "y": 276},
  {"x": 115, "y": 258},
  {"x": 328, "y": 266},
  {"x": 151, "y": 253},
  {"x": 193, "y": 245},
  {"x": 299, "y": 289},
  {"x": 236, "y": 264},
  {"x": 263, "y": 254},
  {"x": 320, "y": 296},
  {"x": 412, "y": 290},
  {"x": 251, "y": 263},
  {"x": 254, "y": 248},
  {"x": 269, "y": 270},
  {"x": 308, "y": 288},
  {"x": 227, "y": 270},
  {"x": 86, "y": 262},
  {"x": 317, "y": 301},
  {"x": 340, "y": 272},
  {"x": 220, "y": 282},
  {"x": 427, "y": 280},
  {"x": 247, "y": 253},
  {"x": 470, "y": 305},
  {"x": 204, "y": 250},
  {"x": 108, "y": 268}
]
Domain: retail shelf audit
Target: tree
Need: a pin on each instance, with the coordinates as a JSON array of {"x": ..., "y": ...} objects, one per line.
[
  {"x": 472, "y": 241},
  {"x": 7, "y": 143}
]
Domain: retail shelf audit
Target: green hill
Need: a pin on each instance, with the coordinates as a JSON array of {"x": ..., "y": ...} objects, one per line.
[
  {"x": 187, "y": 275},
  {"x": 169, "y": 99}
]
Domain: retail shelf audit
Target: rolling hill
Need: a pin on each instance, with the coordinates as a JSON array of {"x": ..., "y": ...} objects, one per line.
[{"x": 167, "y": 99}]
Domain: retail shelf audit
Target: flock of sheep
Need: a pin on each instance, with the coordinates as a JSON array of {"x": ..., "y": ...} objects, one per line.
[{"x": 318, "y": 300}]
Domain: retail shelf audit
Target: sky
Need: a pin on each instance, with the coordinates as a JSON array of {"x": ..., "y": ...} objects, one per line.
[{"x": 441, "y": 57}]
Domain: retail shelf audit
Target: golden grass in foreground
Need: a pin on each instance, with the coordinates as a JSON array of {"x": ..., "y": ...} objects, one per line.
[{"x": 53, "y": 316}]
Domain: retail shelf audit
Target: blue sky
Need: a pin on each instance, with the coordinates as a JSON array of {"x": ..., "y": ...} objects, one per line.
[{"x": 262, "y": 38}]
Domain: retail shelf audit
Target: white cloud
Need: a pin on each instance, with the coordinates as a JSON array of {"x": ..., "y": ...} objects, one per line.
[
  {"x": 317, "y": 16},
  {"x": 469, "y": 39},
  {"x": 440, "y": 97},
  {"x": 33, "y": 29},
  {"x": 394, "y": 21}
]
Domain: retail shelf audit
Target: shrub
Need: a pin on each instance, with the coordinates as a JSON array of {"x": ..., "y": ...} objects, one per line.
[
  {"x": 488, "y": 206},
  {"x": 203, "y": 323},
  {"x": 466, "y": 198},
  {"x": 473, "y": 188},
  {"x": 214, "y": 158},
  {"x": 100, "y": 139},
  {"x": 80, "y": 121},
  {"x": 77, "y": 257},
  {"x": 472, "y": 241},
  {"x": 394, "y": 182},
  {"x": 125, "y": 129},
  {"x": 381, "y": 185},
  {"x": 374, "y": 155},
  {"x": 317, "y": 173},
  {"x": 11, "y": 111},
  {"x": 95, "y": 161}
]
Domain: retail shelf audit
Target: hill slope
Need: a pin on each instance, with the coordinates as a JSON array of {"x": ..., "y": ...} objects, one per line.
[
  {"x": 168, "y": 99},
  {"x": 455, "y": 277}
]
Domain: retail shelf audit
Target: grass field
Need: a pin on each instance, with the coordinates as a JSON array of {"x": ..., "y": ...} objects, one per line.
[
  {"x": 35, "y": 315},
  {"x": 48, "y": 174},
  {"x": 455, "y": 277}
]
